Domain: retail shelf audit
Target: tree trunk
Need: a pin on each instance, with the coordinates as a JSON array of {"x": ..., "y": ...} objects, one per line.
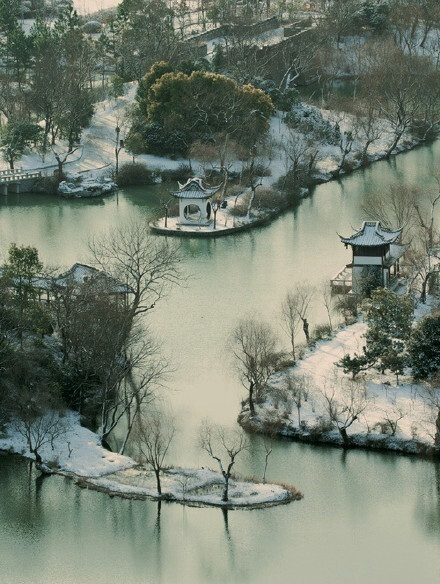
[
  {"x": 60, "y": 169},
  {"x": 159, "y": 489},
  {"x": 38, "y": 458},
  {"x": 394, "y": 144},
  {"x": 424, "y": 287},
  {"x": 292, "y": 341},
  {"x": 345, "y": 438},
  {"x": 306, "y": 329},
  {"x": 251, "y": 398},
  {"x": 226, "y": 489},
  {"x": 437, "y": 433},
  {"x": 364, "y": 156}
]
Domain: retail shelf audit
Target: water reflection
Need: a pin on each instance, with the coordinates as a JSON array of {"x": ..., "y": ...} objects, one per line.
[{"x": 373, "y": 516}]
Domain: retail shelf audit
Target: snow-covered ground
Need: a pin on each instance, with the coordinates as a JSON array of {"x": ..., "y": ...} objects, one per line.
[
  {"x": 329, "y": 155},
  {"x": 194, "y": 486},
  {"x": 78, "y": 454},
  {"x": 76, "y": 451},
  {"x": 96, "y": 155},
  {"x": 402, "y": 403},
  {"x": 95, "y": 158}
]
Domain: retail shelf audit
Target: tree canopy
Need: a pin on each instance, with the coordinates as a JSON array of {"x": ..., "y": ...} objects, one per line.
[{"x": 201, "y": 106}]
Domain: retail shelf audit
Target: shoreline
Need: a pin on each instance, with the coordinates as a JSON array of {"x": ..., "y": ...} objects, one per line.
[
  {"x": 309, "y": 422},
  {"x": 107, "y": 484},
  {"x": 274, "y": 214},
  {"x": 366, "y": 442},
  {"x": 84, "y": 483}
]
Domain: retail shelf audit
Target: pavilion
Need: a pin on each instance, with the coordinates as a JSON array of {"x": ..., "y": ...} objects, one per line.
[
  {"x": 195, "y": 202},
  {"x": 376, "y": 254}
]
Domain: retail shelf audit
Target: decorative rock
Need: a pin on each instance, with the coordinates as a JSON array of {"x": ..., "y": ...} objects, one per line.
[{"x": 86, "y": 189}]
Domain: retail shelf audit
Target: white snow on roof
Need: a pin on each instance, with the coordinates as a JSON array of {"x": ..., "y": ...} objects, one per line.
[
  {"x": 371, "y": 234},
  {"x": 195, "y": 189}
]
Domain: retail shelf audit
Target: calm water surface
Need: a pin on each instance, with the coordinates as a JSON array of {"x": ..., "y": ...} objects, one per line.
[{"x": 365, "y": 517}]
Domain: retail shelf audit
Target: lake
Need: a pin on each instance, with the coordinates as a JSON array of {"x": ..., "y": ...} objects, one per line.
[{"x": 366, "y": 517}]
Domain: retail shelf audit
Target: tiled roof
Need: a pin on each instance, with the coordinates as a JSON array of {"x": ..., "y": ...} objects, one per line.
[
  {"x": 81, "y": 273},
  {"x": 372, "y": 234},
  {"x": 194, "y": 189}
]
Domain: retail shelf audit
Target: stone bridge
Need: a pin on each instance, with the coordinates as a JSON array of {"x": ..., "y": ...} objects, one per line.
[{"x": 17, "y": 180}]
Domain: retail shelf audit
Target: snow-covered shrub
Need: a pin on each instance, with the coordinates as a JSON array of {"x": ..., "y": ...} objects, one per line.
[
  {"x": 92, "y": 27},
  {"x": 309, "y": 120},
  {"x": 283, "y": 100},
  {"x": 134, "y": 173}
]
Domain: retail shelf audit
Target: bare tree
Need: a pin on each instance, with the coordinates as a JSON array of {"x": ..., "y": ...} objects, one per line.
[
  {"x": 153, "y": 438},
  {"x": 148, "y": 265},
  {"x": 61, "y": 157},
  {"x": 344, "y": 402},
  {"x": 254, "y": 349},
  {"x": 393, "y": 84},
  {"x": 39, "y": 420},
  {"x": 128, "y": 383},
  {"x": 345, "y": 146},
  {"x": 394, "y": 210},
  {"x": 268, "y": 447},
  {"x": 223, "y": 446},
  {"x": 300, "y": 158},
  {"x": 295, "y": 307},
  {"x": 367, "y": 125},
  {"x": 328, "y": 300},
  {"x": 290, "y": 318},
  {"x": 415, "y": 210},
  {"x": 428, "y": 238},
  {"x": 392, "y": 416},
  {"x": 140, "y": 389},
  {"x": 298, "y": 389}
]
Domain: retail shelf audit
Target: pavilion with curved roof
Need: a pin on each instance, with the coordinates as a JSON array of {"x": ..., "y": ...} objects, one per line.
[
  {"x": 195, "y": 202},
  {"x": 376, "y": 254}
]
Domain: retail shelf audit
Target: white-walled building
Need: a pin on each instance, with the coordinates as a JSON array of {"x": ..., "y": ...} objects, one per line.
[{"x": 195, "y": 202}]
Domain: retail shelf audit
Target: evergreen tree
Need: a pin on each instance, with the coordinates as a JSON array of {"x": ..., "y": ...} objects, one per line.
[
  {"x": 389, "y": 318},
  {"x": 424, "y": 347}
]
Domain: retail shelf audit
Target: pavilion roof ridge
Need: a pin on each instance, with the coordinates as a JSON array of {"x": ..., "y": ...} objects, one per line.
[
  {"x": 194, "y": 188},
  {"x": 372, "y": 234}
]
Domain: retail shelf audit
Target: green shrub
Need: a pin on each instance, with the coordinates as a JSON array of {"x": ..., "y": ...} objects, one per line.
[
  {"x": 322, "y": 331},
  {"x": 269, "y": 199},
  {"x": 47, "y": 185},
  {"x": 132, "y": 174},
  {"x": 117, "y": 86},
  {"x": 181, "y": 174},
  {"x": 424, "y": 347},
  {"x": 322, "y": 426}
]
